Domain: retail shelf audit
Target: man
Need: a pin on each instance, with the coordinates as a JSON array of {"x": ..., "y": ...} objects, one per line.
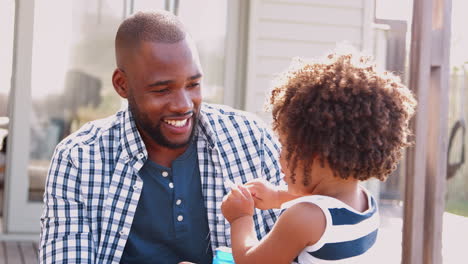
[{"x": 146, "y": 185}]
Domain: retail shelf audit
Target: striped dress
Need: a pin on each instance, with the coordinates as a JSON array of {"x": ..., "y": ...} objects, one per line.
[{"x": 348, "y": 235}]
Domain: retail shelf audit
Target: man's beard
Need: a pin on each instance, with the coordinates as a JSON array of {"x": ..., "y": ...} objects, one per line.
[
  {"x": 156, "y": 134},
  {"x": 154, "y": 131}
]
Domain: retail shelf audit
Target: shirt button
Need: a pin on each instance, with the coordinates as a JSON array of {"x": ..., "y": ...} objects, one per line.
[
  {"x": 127, "y": 159},
  {"x": 140, "y": 155},
  {"x": 165, "y": 174},
  {"x": 123, "y": 232},
  {"x": 178, "y": 202},
  {"x": 137, "y": 186},
  {"x": 180, "y": 218},
  {"x": 171, "y": 185}
]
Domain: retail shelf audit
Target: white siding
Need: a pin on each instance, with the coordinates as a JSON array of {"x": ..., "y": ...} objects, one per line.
[{"x": 282, "y": 29}]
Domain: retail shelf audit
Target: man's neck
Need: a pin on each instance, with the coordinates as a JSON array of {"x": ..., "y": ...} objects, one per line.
[
  {"x": 165, "y": 156},
  {"x": 161, "y": 155}
]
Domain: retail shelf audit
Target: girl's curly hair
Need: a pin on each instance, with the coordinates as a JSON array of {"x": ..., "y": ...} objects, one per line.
[{"x": 345, "y": 112}]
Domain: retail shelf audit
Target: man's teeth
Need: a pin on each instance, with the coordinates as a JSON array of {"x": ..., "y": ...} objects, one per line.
[{"x": 176, "y": 123}]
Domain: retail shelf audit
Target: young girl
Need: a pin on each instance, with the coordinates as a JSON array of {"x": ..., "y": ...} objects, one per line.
[{"x": 339, "y": 122}]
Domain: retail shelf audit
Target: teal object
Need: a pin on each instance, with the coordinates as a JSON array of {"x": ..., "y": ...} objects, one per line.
[{"x": 223, "y": 256}]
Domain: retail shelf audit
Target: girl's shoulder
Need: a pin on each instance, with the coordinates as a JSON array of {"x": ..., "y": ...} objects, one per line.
[
  {"x": 299, "y": 214},
  {"x": 327, "y": 202},
  {"x": 318, "y": 200},
  {"x": 348, "y": 234},
  {"x": 335, "y": 215}
]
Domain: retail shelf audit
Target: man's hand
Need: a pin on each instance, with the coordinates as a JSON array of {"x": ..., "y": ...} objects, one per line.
[
  {"x": 266, "y": 195},
  {"x": 237, "y": 203}
]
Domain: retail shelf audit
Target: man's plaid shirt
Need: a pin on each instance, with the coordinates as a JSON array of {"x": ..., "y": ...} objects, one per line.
[{"x": 92, "y": 188}]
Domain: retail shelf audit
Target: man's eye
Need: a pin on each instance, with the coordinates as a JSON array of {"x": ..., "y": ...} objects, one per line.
[
  {"x": 194, "y": 85},
  {"x": 160, "y": 91}
]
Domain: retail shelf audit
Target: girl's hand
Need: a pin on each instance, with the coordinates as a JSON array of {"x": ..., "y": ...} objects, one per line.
[
  {"x": 237, "y": 203},
  {"x": 266, "y": 195}
]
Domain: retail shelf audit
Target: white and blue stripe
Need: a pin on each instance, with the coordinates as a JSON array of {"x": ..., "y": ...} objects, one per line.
[{"x": 348, "y": 236}]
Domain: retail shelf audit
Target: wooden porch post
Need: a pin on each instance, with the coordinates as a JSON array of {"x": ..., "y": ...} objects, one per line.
[{"x": 426, "y": 161}]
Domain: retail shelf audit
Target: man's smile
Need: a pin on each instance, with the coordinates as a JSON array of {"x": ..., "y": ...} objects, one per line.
[{"x": 176, "y": 123}]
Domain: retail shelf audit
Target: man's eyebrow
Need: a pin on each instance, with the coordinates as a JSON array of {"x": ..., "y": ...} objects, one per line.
[
  {"x": 161, "y": 83},
  {"x": 167, "y": 82},
  {"x": 196, "y": 76}
]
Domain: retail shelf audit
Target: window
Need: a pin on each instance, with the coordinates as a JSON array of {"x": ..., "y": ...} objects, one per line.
[{"x": 73, "y": 61}]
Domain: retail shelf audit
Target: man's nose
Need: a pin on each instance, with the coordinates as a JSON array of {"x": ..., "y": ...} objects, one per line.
[{"x": 182, "y": 102}]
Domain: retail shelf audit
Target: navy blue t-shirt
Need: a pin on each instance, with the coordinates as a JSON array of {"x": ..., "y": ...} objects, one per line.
[{"x": 170, "y": 223}]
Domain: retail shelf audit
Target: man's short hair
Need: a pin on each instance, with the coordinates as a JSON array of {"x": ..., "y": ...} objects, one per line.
[{"x": 158, "y": 26}]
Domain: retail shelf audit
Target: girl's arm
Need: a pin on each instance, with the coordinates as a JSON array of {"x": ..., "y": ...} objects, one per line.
[
  {"x": 290, "y": 235},
  {"x": 267, "y": 196}
]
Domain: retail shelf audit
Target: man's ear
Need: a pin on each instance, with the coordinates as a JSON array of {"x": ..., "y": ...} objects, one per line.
[{"x": 119, "y": 80}]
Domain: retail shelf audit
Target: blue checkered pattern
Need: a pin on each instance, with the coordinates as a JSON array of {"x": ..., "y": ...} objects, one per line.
[{"x": 93, "y": 189}]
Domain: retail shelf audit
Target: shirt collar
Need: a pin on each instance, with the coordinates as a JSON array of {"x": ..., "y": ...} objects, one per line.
[
  {"x": 205, "y": 126},
  {"x": 133, "y": 147}
]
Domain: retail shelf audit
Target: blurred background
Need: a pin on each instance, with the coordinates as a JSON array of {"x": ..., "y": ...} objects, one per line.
[{"x": 55, "y": 75}]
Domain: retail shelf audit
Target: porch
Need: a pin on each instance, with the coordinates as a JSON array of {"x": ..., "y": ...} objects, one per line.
[{"x": 18, "y": 252}]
